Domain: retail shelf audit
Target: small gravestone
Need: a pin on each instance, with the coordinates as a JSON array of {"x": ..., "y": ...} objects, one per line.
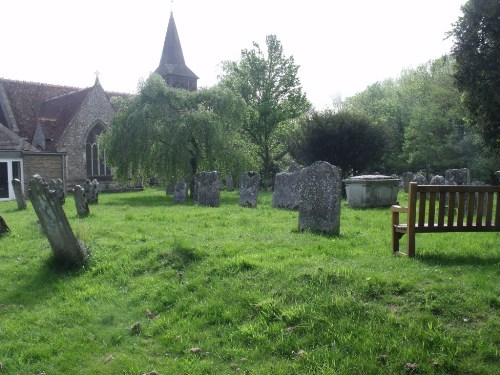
[
  {"x": 496, "y": 178},
  {"x": 94, "y": 192},
  {"x": 437, "y": 180},
  {"x": 419, "y": 179},
  {"x": 55, "y": 225},
  {"x": 57, "y": 187},
  {"x": 18, "y": 192},
  {"x": 180, "y": 192},
  {"x": 457, "y": 176},
  {"x": 320, "y": 198},
  {"x": 81, "y": 202},
  {"x": 406, "y": 178},
  {"x": 4, "y": 228},
  {"x": 207, "y": 191},
  {"x": 286, "y": 190},
  {"x": 87, "y": 185},
  {"x": 249, "y": 189},
  {"x": 229, "y": 182}
]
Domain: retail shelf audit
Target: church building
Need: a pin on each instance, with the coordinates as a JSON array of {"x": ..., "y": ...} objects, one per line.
[{"x": 53, "y": 130}]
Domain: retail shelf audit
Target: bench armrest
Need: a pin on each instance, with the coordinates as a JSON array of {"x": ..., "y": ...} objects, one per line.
[{"x": 399, "y": 209}]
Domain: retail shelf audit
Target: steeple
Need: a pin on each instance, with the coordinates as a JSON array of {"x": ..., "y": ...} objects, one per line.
[{"x": 172, "y": 66}]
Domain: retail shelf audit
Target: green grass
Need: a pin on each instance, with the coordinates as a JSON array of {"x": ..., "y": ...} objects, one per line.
[{"x": 234, "y": 289}]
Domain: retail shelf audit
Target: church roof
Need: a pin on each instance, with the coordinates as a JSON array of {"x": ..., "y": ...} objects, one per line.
[
  {"x": 172, "y": 59},
  {"x": 10, "y": 141}
]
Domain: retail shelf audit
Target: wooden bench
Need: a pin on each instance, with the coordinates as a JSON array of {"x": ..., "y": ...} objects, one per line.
[{"x": 446, "y": 208}]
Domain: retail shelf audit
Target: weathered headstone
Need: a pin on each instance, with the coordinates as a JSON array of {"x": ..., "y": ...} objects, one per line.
[
  {"x": 180, "y": 192},
  {"x": 419, "y": 179},
  {"x": 229, "y": 182},
  {"x": 57, "y": 187},
  {"x": 437, "y": 180},
  {"x": 18, "y": 192},
  {"x": 286, "y": 190},
  {"x": 81, "y": 201},
  {"x": 87, "y": 185},
  {"x": 496, "y": 178},
  {"x": 320, "y": 198},
  {"x": 406, "y": 178},
  {"x": 94, "y": 192},
  {"x": 4, "y": 228},
  {"x": 207, "y": 191},
  {"x": 457, "y": 176},
  {"x": 55, "y": 225},
  {"x": 249, "y": 189}
]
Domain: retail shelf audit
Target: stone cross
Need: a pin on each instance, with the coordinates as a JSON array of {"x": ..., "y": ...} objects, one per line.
[
  {"x": 65, "y": 246},
  {"x": 18, "y": 192},
  {"x": 320, "y": 198}
]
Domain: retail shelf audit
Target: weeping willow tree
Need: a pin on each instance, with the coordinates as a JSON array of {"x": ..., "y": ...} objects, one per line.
[{"x": 173, "y": 133}]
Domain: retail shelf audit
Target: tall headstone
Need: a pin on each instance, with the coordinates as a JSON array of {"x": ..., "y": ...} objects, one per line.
[
  {"x": 286, "y": 190},
  {"x": 320, "y": 198},
  {"x": 457, "y": 176},
  {"x": 229, "y": 182},
  {"x": 249, "y": 189},
  {"x": 18, "y": 192},
  {"x": 207, "y": 191},
  {"x": 180, "y": 192},
  {"x": 55, "y": 225},
  {"x": 81, "y": 201}
]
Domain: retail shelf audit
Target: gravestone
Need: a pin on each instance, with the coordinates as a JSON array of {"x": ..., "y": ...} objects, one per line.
[
  {"x": 286, "y": 190},
  {"x": 457, "y": 176},
  {"x": 320, "y": 198},
  {"x": 496, "y": 178},
  {"x": 55, "y": 225},
  {"x": 229, "y": 182},
  {"x": 249, "y": 189},
  {"x": 4, "y": 228},
  {"x": 81, "y": 201},
  {"x": 419, "y": 179},
  {"x": 94, "y": 192},
  {"x": 18, "y": 192},
  {"x": 207, "y": 191},
  {"x": 437, "y": 180},
  {"x": 180, "y": 192},
  {"x": 87, "y": 185},
  {"x": 406, "y": 178},
  {"x": 57, "y": 187}
]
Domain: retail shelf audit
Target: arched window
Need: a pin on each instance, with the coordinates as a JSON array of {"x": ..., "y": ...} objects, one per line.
[{"x": 96, "y": 162}]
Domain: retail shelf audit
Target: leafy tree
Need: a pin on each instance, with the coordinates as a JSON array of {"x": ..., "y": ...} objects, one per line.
[
  {"x": 477, "y": 75},
  {"x": 169, "y": 132},
  {"x": 344, "y": 139},
  {"x": 269, "y": 85}
]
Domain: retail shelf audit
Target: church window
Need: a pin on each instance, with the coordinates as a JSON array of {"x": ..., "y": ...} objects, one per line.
[{"x": 96, "y": 160}]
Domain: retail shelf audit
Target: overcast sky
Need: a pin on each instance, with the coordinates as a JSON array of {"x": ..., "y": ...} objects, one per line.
[{"x": 341, "y": 46}]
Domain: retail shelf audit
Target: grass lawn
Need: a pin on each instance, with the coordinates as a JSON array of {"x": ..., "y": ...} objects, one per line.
[{"x": 182, "y": 289}]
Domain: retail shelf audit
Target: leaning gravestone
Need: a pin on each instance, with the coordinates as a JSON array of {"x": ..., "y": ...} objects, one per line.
[
  {"x": 207, "y": 191},
  {"x": 18, "y": 192},
  {"x": 419, "y": 179},
  {"x": 55, "y": 225},
  {"x": 249, "y": 189},
  {"x": 320, "y": 197},
  {"x": 457, "y": 176},
  {"x": 180, "y": 192},
  {"x": 286, "y": 190},
  {"x": 81, "y": 201}
]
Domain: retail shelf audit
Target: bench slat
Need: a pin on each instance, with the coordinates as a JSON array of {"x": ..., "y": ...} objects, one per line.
[
  {"x": 461, "y": 204},
  {"x": 489, "y": 209},
  {"x": 421, "y": 209},
  {"x": 451, "y": 209},
  {"x": 432, "y": 208},
  {"x": 442, "y": 209}
]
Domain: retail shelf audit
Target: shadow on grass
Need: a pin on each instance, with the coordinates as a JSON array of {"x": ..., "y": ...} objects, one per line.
[
  {"x": 459, "y": 260},
  {"x": 138, "y": 200},
  {"x": 34, "y": 287}
]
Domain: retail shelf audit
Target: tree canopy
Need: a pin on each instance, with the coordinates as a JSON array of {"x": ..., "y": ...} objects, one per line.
[
  {"x": 269, "y": 85},
  {"x": 344, "y": 139},
  {"x": 167, "y": 132},
  {"x": 477, "y": 75}
]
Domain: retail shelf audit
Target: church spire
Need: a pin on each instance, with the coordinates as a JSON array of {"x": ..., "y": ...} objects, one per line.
[{"x": 172, "y": 65}]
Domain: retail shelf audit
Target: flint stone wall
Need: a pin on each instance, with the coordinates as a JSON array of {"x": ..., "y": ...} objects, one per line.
[
  {"x": 320, "y": 198},
  {"x": 249, "y": 189},
  {"x": 286, "y": 190}
]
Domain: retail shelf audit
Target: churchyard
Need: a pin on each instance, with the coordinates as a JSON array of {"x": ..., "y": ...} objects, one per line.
[{"x": 185, "y": 289}]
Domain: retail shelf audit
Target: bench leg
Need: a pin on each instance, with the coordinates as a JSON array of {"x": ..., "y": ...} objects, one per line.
[
  {"x": 411, "y": 243},
  {"x": 396, "y": 236}
]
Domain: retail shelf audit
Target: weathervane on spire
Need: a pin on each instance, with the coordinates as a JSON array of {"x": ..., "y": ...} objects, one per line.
[{"x": 97, "y": 75}]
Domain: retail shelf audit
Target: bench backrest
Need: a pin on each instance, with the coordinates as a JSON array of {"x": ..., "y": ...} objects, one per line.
[{"x": 454, "y": 208}]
